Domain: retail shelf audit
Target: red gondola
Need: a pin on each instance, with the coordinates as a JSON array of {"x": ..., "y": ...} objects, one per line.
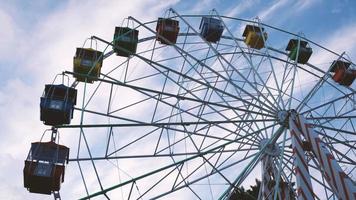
[
  {"x": 343, "y": 74},
  {"x": 167, "y": 28},
  {"x": 44, "y": 167}
]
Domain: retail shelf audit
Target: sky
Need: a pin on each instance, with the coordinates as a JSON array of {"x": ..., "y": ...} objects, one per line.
[{"x": 38, "y": 39}]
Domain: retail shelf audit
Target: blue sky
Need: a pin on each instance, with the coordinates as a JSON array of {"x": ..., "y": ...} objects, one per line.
[{"x": 38, "y": 38}]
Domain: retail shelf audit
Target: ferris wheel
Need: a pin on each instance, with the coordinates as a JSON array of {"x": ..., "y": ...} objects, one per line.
[{"x": 192, "y": 107}]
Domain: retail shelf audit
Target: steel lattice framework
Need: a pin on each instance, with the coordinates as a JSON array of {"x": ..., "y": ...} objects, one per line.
[{"x": 197, "y": 119}]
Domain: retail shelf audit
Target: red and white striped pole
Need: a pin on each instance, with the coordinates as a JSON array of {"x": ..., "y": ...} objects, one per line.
[
  {"x": 266, "y": 177},
  {"x": 339, "y": 182},
  {"x": 304, "y": 186},
  {"x": 269, "y": 175}
]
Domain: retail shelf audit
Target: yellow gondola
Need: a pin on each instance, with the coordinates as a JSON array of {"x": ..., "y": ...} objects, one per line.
[
  {"x": 87, "y": 64},
  {"x": 254, "y": 36}
]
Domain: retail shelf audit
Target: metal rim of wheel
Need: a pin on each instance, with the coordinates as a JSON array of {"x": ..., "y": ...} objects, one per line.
[{"x": 190, "y": 119}]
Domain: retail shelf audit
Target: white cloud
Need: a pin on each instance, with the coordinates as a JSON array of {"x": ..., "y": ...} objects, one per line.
[
  {"x": 305, "y": 4},
  {"x": 203, "y": 5},
  {"x": 48, "y": 50},
  {"x": 270, "y": 12},
  {"x": 280, "y": 11},
  {"x": 240, "y": 8},
  {"x": 10, "y": 36},
  {"x": 343, "y": 39}
]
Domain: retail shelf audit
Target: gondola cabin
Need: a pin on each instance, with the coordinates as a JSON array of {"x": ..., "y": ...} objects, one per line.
[
  {"x": 44, "y": 167},
  {"x": 304, "y": 52},
  {"x": 211, "y": 29},
  {"x": 126, "y": 39},
  {"x": 57, "y": 104},
  {"x": 343, "y": 74},
  {"x": 167, "y": 28},
  {"x": 255, "y": 36},
  {"x": 87, "y": 64}
]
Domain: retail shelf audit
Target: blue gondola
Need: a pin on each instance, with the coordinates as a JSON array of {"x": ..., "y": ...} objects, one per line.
[
  {"x": 57, "y": 104},
  {"x": 211, "y": 29}
]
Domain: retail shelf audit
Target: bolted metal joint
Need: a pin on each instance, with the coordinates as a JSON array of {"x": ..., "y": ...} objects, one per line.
[{"x": 283, "y": 117}]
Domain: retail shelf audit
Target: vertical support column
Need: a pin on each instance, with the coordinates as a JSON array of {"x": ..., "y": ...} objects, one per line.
[
  {"x": 269, "y": 175},
  {"x": 286, "y": 189},
  {"x": 304, "y": 186},
  {"x": 266, "y": 178},
  {"x": 339, "y": 182}
]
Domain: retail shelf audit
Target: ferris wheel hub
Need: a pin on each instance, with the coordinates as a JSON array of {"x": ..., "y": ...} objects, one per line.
[{"x": 283, "y": 116}]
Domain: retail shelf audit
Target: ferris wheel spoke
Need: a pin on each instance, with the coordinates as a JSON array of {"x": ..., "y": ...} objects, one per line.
[
  {"x": 160, "y": 180},
  {"x": 255, "y": 105},
  {"x": 286, "y": 84},
  {"x": 82, "y": 177},
  {"x": 313, "y": 177},
  {"x": 92, "y": 162},
  {"x": 326, "y": 187},
  {"x": 291, "y": 85},
  {"x": 138, "y": 123},
  {"x": 288, "y": 165},
  {"x": 226, "y": 118},
  {"x": 183, "y": 114},
  {"x": 248, "y": 106},
  {"x": 343, "y": 155},
  {"x": 278, "y": 88},
  {"x": 209, "y": 100},
  {"x": 160, "y": 126},
  {"x": 168, "y": 155},
  {"x": 250, "y": 60},
  {"x": 333, "y": 118},
  {"x": 218, "y": 91},
  {"x": 341, "y": 124},
  {"x": 141, "y": 89},
  {"x": 206, "y": 97},
  {"x": 213, "y": 168},
  {"x": 314, "y": 90},
  {"x": 330, "y": 102},
  {"x": 252, "y": 164},
  {"x": 83, "y": 137},
  {"x": 191, "y": 182},
  {"x": 334, "y": 129},
  {"x": 135, "y": 121},
  {"x": 249, "y": 140},
  {"x": 242, "y": 143},
  {"x": 224, "y": 59},
  {"x": 183, "y": 53},
  {"x": 163, "y": 168}
]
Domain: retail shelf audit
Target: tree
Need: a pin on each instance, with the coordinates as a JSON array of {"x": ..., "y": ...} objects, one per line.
[{"x": 250, "y": 194}]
